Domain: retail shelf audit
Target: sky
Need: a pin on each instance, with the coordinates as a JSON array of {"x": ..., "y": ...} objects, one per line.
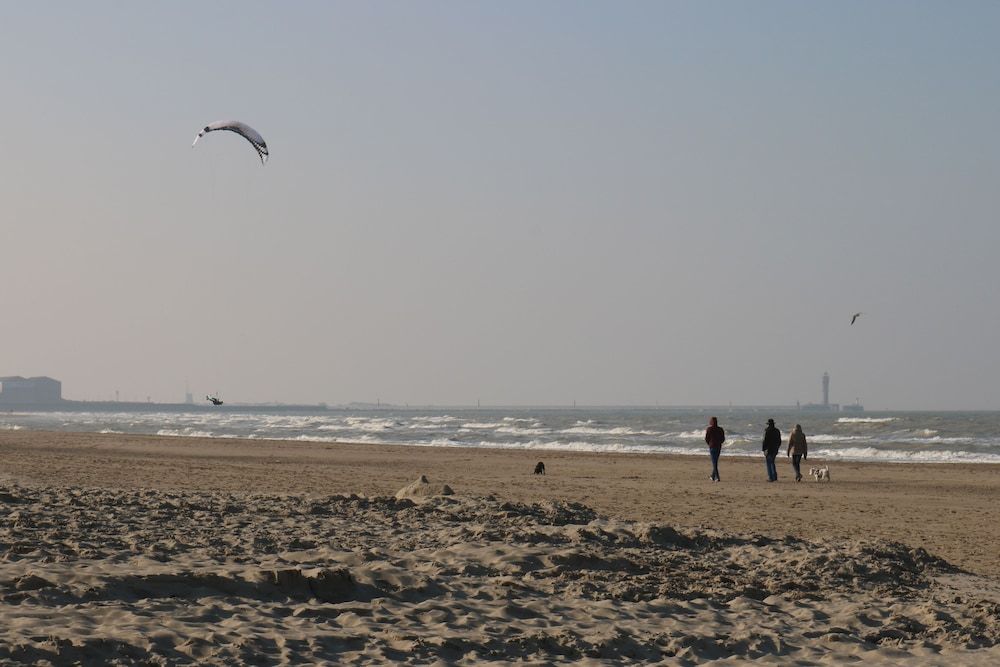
[{"x": 520, "y": 203}]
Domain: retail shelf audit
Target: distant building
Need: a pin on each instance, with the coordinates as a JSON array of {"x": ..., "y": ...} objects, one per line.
[
  {"x": 854, "y": 407},
  {"x": 30, "y": 391},
  {"x": 826, "y": 405}
]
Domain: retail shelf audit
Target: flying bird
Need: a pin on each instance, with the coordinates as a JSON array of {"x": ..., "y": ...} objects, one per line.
[
  {"x": 242, "y": 129},
  {"x": 856, "y": 316}
]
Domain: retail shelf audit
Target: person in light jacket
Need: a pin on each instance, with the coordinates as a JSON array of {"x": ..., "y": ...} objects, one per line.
[{"x": 798, "y": 450}]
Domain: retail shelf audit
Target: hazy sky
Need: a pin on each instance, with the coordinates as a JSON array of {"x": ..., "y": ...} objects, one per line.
[{"x": 517, "y": 202}]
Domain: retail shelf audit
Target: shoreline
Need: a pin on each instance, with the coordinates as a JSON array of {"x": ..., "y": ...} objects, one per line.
[
  {"x": 668, "y": 451},
  {"x": 950, "y": 509}
]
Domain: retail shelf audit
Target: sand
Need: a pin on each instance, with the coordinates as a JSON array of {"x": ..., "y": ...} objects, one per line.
[{"x": 146, "y": 550}]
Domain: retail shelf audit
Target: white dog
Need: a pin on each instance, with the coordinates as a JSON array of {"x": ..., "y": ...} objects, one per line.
[{"x": 820, "y": 473}]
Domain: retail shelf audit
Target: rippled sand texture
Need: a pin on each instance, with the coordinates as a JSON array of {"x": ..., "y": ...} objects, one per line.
[{"x": 157, "y": 577}]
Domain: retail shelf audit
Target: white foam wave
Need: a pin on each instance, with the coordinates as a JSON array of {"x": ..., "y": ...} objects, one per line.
[
  {"x": 830, "y": 437},
  {"x": 188, "y": 433},
  {"x": 311, "y": 438},
  {"x": 564, "y": 446},
  {"x": 918, "y": 433},
  {"x": 444, "y": 442},
  {"x": 620, "y": 430},
  {"x": 948, "y": 441},
  {"x": 938, "y": 440},
  {"x": 859, "y": 454},
  {"x": 517, "y": 430},
  {"x": 431, "y": 423},
  {"x": 372, "y": 425},
  {"x": 866, "y": 420},
  {"x": 442, "y": 419},
  {"x": 903, "y": 456}
]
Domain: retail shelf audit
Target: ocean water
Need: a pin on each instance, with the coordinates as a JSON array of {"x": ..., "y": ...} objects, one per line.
[{"x": 896, "y": 437}]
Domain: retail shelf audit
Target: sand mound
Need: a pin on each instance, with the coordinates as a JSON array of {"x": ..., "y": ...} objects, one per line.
[
  {"x": 422, "y": 488},
  {"x": 146, "y": 577}
]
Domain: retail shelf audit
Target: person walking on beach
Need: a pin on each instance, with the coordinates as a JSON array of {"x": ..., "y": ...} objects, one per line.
[
  {"x": 797, "y": 449},
  {"x": 772, "y": 444},
  {"x": 714, "y": 437}
]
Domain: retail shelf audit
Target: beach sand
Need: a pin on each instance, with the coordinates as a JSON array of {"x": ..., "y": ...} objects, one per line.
[{"x": 150, "y": 550}]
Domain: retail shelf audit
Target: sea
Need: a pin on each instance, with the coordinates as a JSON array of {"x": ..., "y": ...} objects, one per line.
[{"x": 899, "y": 437}]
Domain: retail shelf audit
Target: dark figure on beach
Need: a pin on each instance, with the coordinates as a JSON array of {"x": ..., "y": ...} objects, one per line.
[
  {"x": 714, "y": 437},
  {"x": 539, "y": 468},
  {"x": 772, "y": 444},
  {"x": 797, "y": 449}
]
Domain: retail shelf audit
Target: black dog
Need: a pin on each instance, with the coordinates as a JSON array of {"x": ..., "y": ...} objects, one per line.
[{"x": 539, "y": 468}]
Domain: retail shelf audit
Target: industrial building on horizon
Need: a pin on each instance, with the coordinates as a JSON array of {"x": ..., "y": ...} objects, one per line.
[{"x": 17, "y": 390}]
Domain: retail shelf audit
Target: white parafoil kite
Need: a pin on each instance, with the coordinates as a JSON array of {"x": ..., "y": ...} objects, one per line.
[{"x": 242, "y": 129}]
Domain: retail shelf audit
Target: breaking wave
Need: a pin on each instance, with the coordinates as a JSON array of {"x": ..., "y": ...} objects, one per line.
[
  {"x": 866, "y": 420},
  {"x": 904, "y": 438}
]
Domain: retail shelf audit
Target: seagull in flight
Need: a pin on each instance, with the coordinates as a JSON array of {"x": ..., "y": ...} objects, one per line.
[{"x": 856, "y": 316}]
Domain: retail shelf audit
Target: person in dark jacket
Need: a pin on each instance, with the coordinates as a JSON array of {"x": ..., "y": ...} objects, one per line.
[
  {"x": 714, "y": 437},
  {"x": 772, "y": 444},
  {"x": 798, "y": 450}
]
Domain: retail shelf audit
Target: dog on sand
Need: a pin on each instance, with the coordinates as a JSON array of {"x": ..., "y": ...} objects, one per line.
[
  {"x": 539, "y": 468},
  {"x": 820, "y": 474}
]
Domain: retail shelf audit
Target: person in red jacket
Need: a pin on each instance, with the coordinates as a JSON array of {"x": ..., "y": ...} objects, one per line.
[{"x": 714, "y": 437}]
